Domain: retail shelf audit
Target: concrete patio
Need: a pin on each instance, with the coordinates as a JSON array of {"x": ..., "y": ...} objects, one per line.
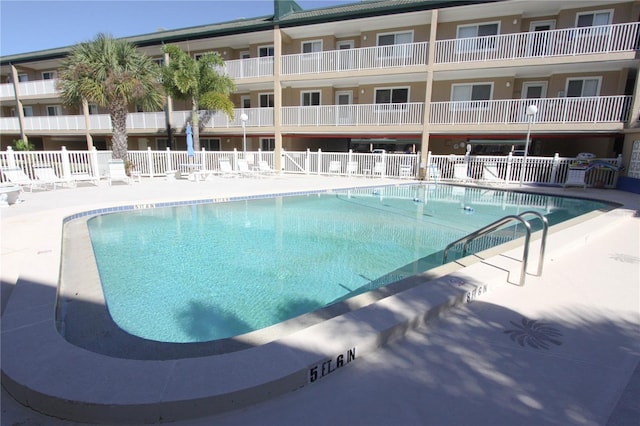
[{"x": 562, "y": 350}]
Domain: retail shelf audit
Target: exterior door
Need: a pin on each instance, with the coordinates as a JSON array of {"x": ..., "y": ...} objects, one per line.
[
  {"x": 533, "y": 90},
  {"x": 541, "y": 40},
  {"x": 344, "y": 109},
  {"x": 346, "y": 55}
]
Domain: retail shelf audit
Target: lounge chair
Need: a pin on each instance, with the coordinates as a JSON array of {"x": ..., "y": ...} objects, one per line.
[
  {"x": 244, "y": 170},
  {"x": 335, "y": 167},
  {"x": 490, "y": 174},
  {"x": 379, "y": 168},
  {"x": 265, "y": 168},
  {"x": 406, "y": 171},
  {"x": 460, "y": 173},
  {"x": 84, "y": 177},
  {"x": 45, "y": 175},
  {"x": 226, "y": 169},
  {"x": 576, "y": 177},
  {"x": 17, "y": 176},
  {"x": 117, "y": 172},
  {"x": 352, "y": 167}
]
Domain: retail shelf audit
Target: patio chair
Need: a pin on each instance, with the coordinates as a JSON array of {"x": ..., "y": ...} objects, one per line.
[
  {"x": 84, "y": 177},
  {"x": 117, "y": 172},
  {"x": 460, "y": 173},
  {"x": 352, "y": 167},
  {"x": 265, "y": 168},
  {"x": 490, "y": 174},
  {"x": 379, "y": 168},
  {"x": 576, "y": 177},
  {"x": 17, "y": 176},
  {"x": 335, "y": 167},
  {"x": 244, "y": 170},
  {"x": 225, "y": 168},
  {"x": 47, "y": 176}
]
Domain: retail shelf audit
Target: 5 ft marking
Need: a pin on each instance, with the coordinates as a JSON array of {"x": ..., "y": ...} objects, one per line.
[{"x": 329, "y": 366}]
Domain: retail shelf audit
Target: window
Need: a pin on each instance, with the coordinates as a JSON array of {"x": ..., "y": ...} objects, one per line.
[
  {"x": 312, "y": 46},
  {"x": 49, "y": 75},
  {"x": 470, "y": 33},
  {"x": 471, "y": 95},
  {"x": 162, "y": 143},
  {"x": 266, "y": 100},
  {"x": 210, "y": 144},
  {"x": 93, "y": 109},
  {"x": 53, "y": 110},
  {"x": 592, "y": 19},
  {"x": 23, "y": 77},
  {"x": 583, "y": 87},
  {"x": 392, "y": 96},
  {"x": 245, "y": 102},
  {"x": 245, "y": 55},
  {"x": 158, "y": 61},
  {"x": 395, "y": 38},
  {"x": 267, "y": 144},
  {"x": 28, "y": 111},
  {"x": 310, "y": 98},
  {"x": 265, "y": 51}
]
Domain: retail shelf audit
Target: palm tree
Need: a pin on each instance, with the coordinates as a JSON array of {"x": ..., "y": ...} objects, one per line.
[
  {"x": 197, "y": 81},
  {"x": 112, "y": 74}
]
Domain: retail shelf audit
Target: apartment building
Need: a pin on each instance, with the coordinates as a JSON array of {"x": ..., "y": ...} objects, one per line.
[{"x": 399, "y": 75}]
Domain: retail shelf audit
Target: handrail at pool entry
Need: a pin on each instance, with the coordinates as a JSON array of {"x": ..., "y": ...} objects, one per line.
[{"x": 499, "y": 223}]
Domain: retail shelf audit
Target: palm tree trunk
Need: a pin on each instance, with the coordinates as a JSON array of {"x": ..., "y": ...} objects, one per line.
[
  {"x": 119, "y": 131},
  {"x": 195, "y": 124}
]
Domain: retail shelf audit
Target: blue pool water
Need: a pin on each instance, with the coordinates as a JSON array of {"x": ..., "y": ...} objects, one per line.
[{"x": 204, "y": 272}]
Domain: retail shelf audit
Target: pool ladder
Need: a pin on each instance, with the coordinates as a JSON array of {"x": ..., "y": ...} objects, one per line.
[{"x": 498, "y": 224}]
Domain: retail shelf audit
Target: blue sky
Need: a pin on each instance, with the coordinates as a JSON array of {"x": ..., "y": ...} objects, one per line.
[{"x": 32, "y": 25}]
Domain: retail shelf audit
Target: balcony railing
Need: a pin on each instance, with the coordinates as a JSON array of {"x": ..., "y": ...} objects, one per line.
[
  {"x": 398, "y": 55},
  {"x": 249, "y": 68},
  {"x": 596, "y": 109},
  {"x": 353, "y": 115},
  {"x": 564, "y": 42}
]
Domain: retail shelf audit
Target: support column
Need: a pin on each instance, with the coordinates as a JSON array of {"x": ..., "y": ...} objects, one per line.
[
  {"x": 277, "y": 98},
  {"x": 19, "y": 110},
  {"x": 426, "y": 119},
  {"x": 169, "y": 111}
]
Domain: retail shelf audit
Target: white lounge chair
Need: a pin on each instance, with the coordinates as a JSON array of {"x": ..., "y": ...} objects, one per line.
[
  {"x": 352, "y": 167},
  {"x": 47, "y": 176},
  {"x": 460, "y": 173},
  {"x": 379, "y": 168},
  {"x": 117, "y": 172},
  {"x": 335, "y": 167},
  {"x": 244, "y": 170},
  {"x": 576, "y": 177},
  {"x": 490, "y": 174},
  {"x": 17, "y": 176},
  {"x": 434, "y": 173},
  {"x": 226, "y": 169},
  {"x": 84, "y": 177},
  {"x": 265, "y": 168}
]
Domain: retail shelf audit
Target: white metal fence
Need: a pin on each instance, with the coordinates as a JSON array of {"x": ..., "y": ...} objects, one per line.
[
  {"x": 537, "y": 170},
  {"x": 149, "y": 163}
]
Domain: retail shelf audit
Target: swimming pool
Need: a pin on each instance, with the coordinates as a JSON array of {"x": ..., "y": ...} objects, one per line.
[{"x": 202, "y": 272}]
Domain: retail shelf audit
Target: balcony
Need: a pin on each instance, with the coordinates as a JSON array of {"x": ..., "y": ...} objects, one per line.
[
  {"x": 39, "y": 88},
  {"x": 354, "y": 115},
  {"x": 564, "y": 42},
  {"x": 248, "y": 68},
  {"x": 366, "y": 58},
  {"x": 596, "y": 109}
]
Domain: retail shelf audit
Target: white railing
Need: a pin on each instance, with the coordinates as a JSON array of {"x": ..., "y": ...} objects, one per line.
[
  {"x": 365, "y": 58},
  {"x": 248, "y": 68},
  {"x": 596, "y": 109},
  {"x": 55, "y": 122},
  {"x": 537, "y": 170},
  {"x": 6, "y": 91},
  {"x": 64, "y": 163},
  {"x": 257, "y": 117},
  {"x": 353, "y": 115},
  {"x": 563, "y": 42}
]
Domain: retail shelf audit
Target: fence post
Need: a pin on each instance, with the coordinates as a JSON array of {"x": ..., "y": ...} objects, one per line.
[
  {"x": 204, "y": 159},
  {"x": 168, "y": 166},
  {"x": 235, "y": 159},
  {"x": 150, "y": 160},
  {"x": 11, "y": 158},
  {"x": 319, "y": 160},
  {"x": 554, "y": 168},
  {"x": 307, "y": 162},
  {"x": 349, "y": 158},
  {"x": 66, "y": 165},
  {"x": 95, "y": 165},
  {"x": 509, "y": 163}
]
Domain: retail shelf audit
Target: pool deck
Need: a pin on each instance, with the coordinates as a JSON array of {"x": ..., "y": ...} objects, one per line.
[{"x": 564, "y": 349}]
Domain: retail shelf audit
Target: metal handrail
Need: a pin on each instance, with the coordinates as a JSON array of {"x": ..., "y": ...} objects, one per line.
[{"x": 499, "y": 223}]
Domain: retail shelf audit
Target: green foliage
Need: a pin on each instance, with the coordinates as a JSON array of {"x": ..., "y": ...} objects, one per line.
[
  {"x": 23, "y": 145},
  {"x": 197, "y": 81},
  {"x": 113, "y": 74}
]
